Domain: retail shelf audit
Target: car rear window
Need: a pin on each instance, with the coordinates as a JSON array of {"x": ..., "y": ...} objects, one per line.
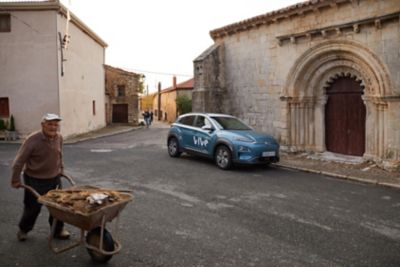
[
  {"x": 188, "y": 120},
  {"x": 230, "y": 123}
]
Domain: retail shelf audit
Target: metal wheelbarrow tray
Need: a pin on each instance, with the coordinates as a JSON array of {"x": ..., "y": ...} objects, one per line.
[{"x": 86, "y": 221}]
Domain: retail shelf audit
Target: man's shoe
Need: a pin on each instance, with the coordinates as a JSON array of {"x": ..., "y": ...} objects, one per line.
[
  {"x": 21, "y": 235},
  {"x": 63, "y": 234}
]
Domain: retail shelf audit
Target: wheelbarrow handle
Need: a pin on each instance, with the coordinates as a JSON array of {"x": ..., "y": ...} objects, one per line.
[
  {"x": 69, "y": 178},
  {"x": 30, "y": 189},
  {"x": 37, "y": 195}
]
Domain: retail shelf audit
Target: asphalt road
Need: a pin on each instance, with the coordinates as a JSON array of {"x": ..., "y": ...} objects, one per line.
[{"x": 187, "y": 212}]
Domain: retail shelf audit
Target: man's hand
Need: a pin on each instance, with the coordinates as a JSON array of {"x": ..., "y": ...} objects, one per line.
[{"x": 16, "y": 184}]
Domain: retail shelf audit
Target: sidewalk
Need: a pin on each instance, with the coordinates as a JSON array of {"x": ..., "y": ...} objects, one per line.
[
  {"x": 111, "y": 130},
  {"x": 106, "y": 131},
  {"x": 366, "y": 172}
]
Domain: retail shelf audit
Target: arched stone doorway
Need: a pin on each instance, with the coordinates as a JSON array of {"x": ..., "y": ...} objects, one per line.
[
  {"x": 307, "y": 92},
  {"x": 345, "y": 117}
]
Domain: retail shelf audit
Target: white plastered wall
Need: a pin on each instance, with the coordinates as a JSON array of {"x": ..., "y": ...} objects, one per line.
[
  {"x": 28, "y": 69},
  {"x": 82, "y": 83}
]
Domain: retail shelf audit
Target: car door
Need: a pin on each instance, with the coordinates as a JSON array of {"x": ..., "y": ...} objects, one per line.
[
  {"x": 186, "y": 130},
  {"x": 202, "y": 137}
]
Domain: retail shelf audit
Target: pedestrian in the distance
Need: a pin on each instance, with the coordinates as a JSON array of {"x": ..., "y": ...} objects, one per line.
[
  {"x": 151, "y": 117},
  {"x": 146, "y": 117},
  {"x": 40, "y": 159}
]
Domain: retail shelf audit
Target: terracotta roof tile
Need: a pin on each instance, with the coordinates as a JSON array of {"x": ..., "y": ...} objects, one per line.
[{"x": 189, "y": 84}]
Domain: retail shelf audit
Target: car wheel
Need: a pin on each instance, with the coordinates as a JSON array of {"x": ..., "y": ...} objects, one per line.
[
  {"x": 223, "y": 157},
  {"x": 173, "y": 147}
]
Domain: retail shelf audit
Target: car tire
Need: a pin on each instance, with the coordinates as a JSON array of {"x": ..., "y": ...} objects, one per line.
[
  {"x": 223, "y": 157},
  {"x": 173, "y": 147}
]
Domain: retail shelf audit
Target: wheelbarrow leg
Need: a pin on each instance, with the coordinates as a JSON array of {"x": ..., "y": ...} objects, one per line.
[{"x": 67, "y": 247}]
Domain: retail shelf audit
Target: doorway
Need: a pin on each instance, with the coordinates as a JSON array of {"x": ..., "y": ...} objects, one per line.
[
  {"x": 345, "y": 116},
  {"x": 120, "y": 113}
]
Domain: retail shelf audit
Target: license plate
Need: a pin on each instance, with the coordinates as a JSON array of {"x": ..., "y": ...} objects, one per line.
[{"x": 268, "y": 154}]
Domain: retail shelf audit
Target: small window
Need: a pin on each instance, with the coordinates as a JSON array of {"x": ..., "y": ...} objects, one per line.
[
  {"x": 5, "y": 23},
  {"x": 94, "y": 107},
  {"x": 187, "y": 120},
  {"x": 4, "y": 107},
  {"x": 121, "y": 90}
]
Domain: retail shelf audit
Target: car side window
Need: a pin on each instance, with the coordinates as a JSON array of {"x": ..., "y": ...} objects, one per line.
[
  {"x": 202, "y": 121},
  {"x": 199, "y": 121},
  {"x": 188, "y": 120}
]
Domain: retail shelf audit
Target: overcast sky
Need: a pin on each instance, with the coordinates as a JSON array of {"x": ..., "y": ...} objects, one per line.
[{"x": 161, "y": 38}]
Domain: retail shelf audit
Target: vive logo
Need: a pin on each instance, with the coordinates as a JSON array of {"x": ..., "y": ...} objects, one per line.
[{"x": 198, "y": 141}]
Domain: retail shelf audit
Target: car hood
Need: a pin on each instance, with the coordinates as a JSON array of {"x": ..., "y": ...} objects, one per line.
[{"x": 255, "y": 136}]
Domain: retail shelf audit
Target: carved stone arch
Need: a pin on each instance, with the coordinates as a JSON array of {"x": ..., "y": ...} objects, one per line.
[
  {"x": 332, "y": 54},
  {"x": 305, "y": 94},
  {"x": 342, "y": 72}
]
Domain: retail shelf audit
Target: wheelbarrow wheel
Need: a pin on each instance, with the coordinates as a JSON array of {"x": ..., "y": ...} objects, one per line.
[{"x": 93, "y": 239}]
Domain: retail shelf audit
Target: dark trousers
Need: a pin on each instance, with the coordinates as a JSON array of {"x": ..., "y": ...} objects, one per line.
[{"x": 32, "y": 207}]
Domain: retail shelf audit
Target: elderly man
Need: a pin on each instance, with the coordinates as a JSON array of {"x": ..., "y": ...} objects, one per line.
[{"x": 40, "y": 158}]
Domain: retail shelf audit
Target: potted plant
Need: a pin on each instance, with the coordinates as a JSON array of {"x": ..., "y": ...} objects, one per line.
[{"x": 11, "y": 134}]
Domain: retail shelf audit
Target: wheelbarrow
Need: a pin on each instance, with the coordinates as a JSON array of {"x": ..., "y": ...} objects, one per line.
[{"x": 99, "y": 242}]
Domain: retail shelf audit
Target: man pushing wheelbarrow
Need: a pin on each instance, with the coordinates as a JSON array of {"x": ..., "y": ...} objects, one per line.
[
  {"x": 88, "y": 208},
  {"x": 40, "y": 159}
]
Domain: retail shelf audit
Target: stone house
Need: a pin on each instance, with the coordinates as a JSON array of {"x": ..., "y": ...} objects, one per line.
[
  {"x": 321, "y": 76},
  {"x": 166, "y": 109},
  {"x": 122, "y": 90},
  {"x": 50, "y": 62}
]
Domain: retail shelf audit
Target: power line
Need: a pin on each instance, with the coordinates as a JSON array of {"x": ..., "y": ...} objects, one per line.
[{"x": 157, "y": 72}]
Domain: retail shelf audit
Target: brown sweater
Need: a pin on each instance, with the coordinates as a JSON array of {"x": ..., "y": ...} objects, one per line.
[{"x": 39, "y": 157}]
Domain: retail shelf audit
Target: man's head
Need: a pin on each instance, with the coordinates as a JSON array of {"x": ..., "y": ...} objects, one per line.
[{"x": 50, "y": 124}]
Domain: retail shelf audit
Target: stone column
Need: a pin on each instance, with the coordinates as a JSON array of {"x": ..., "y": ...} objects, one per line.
[
  {"x": 370, "y": 129},
  {"x": 319, "y": 115}
]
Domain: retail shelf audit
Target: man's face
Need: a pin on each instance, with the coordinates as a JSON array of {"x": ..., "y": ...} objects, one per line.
[{"x": 50, "y": 128}]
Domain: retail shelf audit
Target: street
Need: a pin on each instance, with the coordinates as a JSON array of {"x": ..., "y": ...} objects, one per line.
[{"x": 187, "y": 212}]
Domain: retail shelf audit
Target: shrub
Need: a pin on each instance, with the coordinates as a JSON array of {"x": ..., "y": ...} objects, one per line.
[
  {"x": 183, "y": 104},
  {"x": 2, "y": 125},
  {"x": 11, "y": 126}
]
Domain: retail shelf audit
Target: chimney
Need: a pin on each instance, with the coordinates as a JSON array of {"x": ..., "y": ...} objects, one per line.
[{"x": 174, "y": 82}]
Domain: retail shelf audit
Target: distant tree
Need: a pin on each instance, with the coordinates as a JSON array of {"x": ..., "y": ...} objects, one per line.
[
  {"x": 147, "y": 102},
  {"x": 183, "y": 104},
  {"x": 141, "y": 84}
]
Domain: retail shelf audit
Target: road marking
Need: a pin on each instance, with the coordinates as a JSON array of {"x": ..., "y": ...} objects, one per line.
[
  {"x": 104, "y": 150},
  {"x": 169, "y": 190}
]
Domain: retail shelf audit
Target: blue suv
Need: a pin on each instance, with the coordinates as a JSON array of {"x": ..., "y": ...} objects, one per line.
[{"x": 224, "y": 138}]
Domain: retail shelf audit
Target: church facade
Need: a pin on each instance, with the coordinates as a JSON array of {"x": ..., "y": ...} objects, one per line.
[{"x": 322, "y": 75}]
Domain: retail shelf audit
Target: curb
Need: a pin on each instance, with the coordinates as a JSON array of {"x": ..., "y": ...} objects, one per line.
[
  {"x": 341, "y": 176},
  {"x": 95, "y": 136}
]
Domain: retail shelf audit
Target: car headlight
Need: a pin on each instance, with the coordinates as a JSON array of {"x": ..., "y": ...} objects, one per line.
[
  {"x": 244, "y": 149},
  {"x": 243, "y": 139}
]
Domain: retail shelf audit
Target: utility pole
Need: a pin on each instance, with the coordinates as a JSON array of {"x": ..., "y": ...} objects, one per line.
[{"x": 159, "y": 101}]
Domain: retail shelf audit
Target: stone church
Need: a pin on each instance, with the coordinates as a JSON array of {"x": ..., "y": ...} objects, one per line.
[{"x": 320, "y": 76}]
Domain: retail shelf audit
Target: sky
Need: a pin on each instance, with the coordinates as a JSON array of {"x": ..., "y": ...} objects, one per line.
[{"x": 161, "y": 38}]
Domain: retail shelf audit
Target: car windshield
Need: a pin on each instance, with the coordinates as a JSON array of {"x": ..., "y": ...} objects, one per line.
[{"x": 230, "y": 123}]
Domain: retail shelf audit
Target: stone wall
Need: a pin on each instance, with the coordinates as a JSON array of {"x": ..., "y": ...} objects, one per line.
[
  {"x": 116, "y": 77},
  {"x": 209, "y": 91}
]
